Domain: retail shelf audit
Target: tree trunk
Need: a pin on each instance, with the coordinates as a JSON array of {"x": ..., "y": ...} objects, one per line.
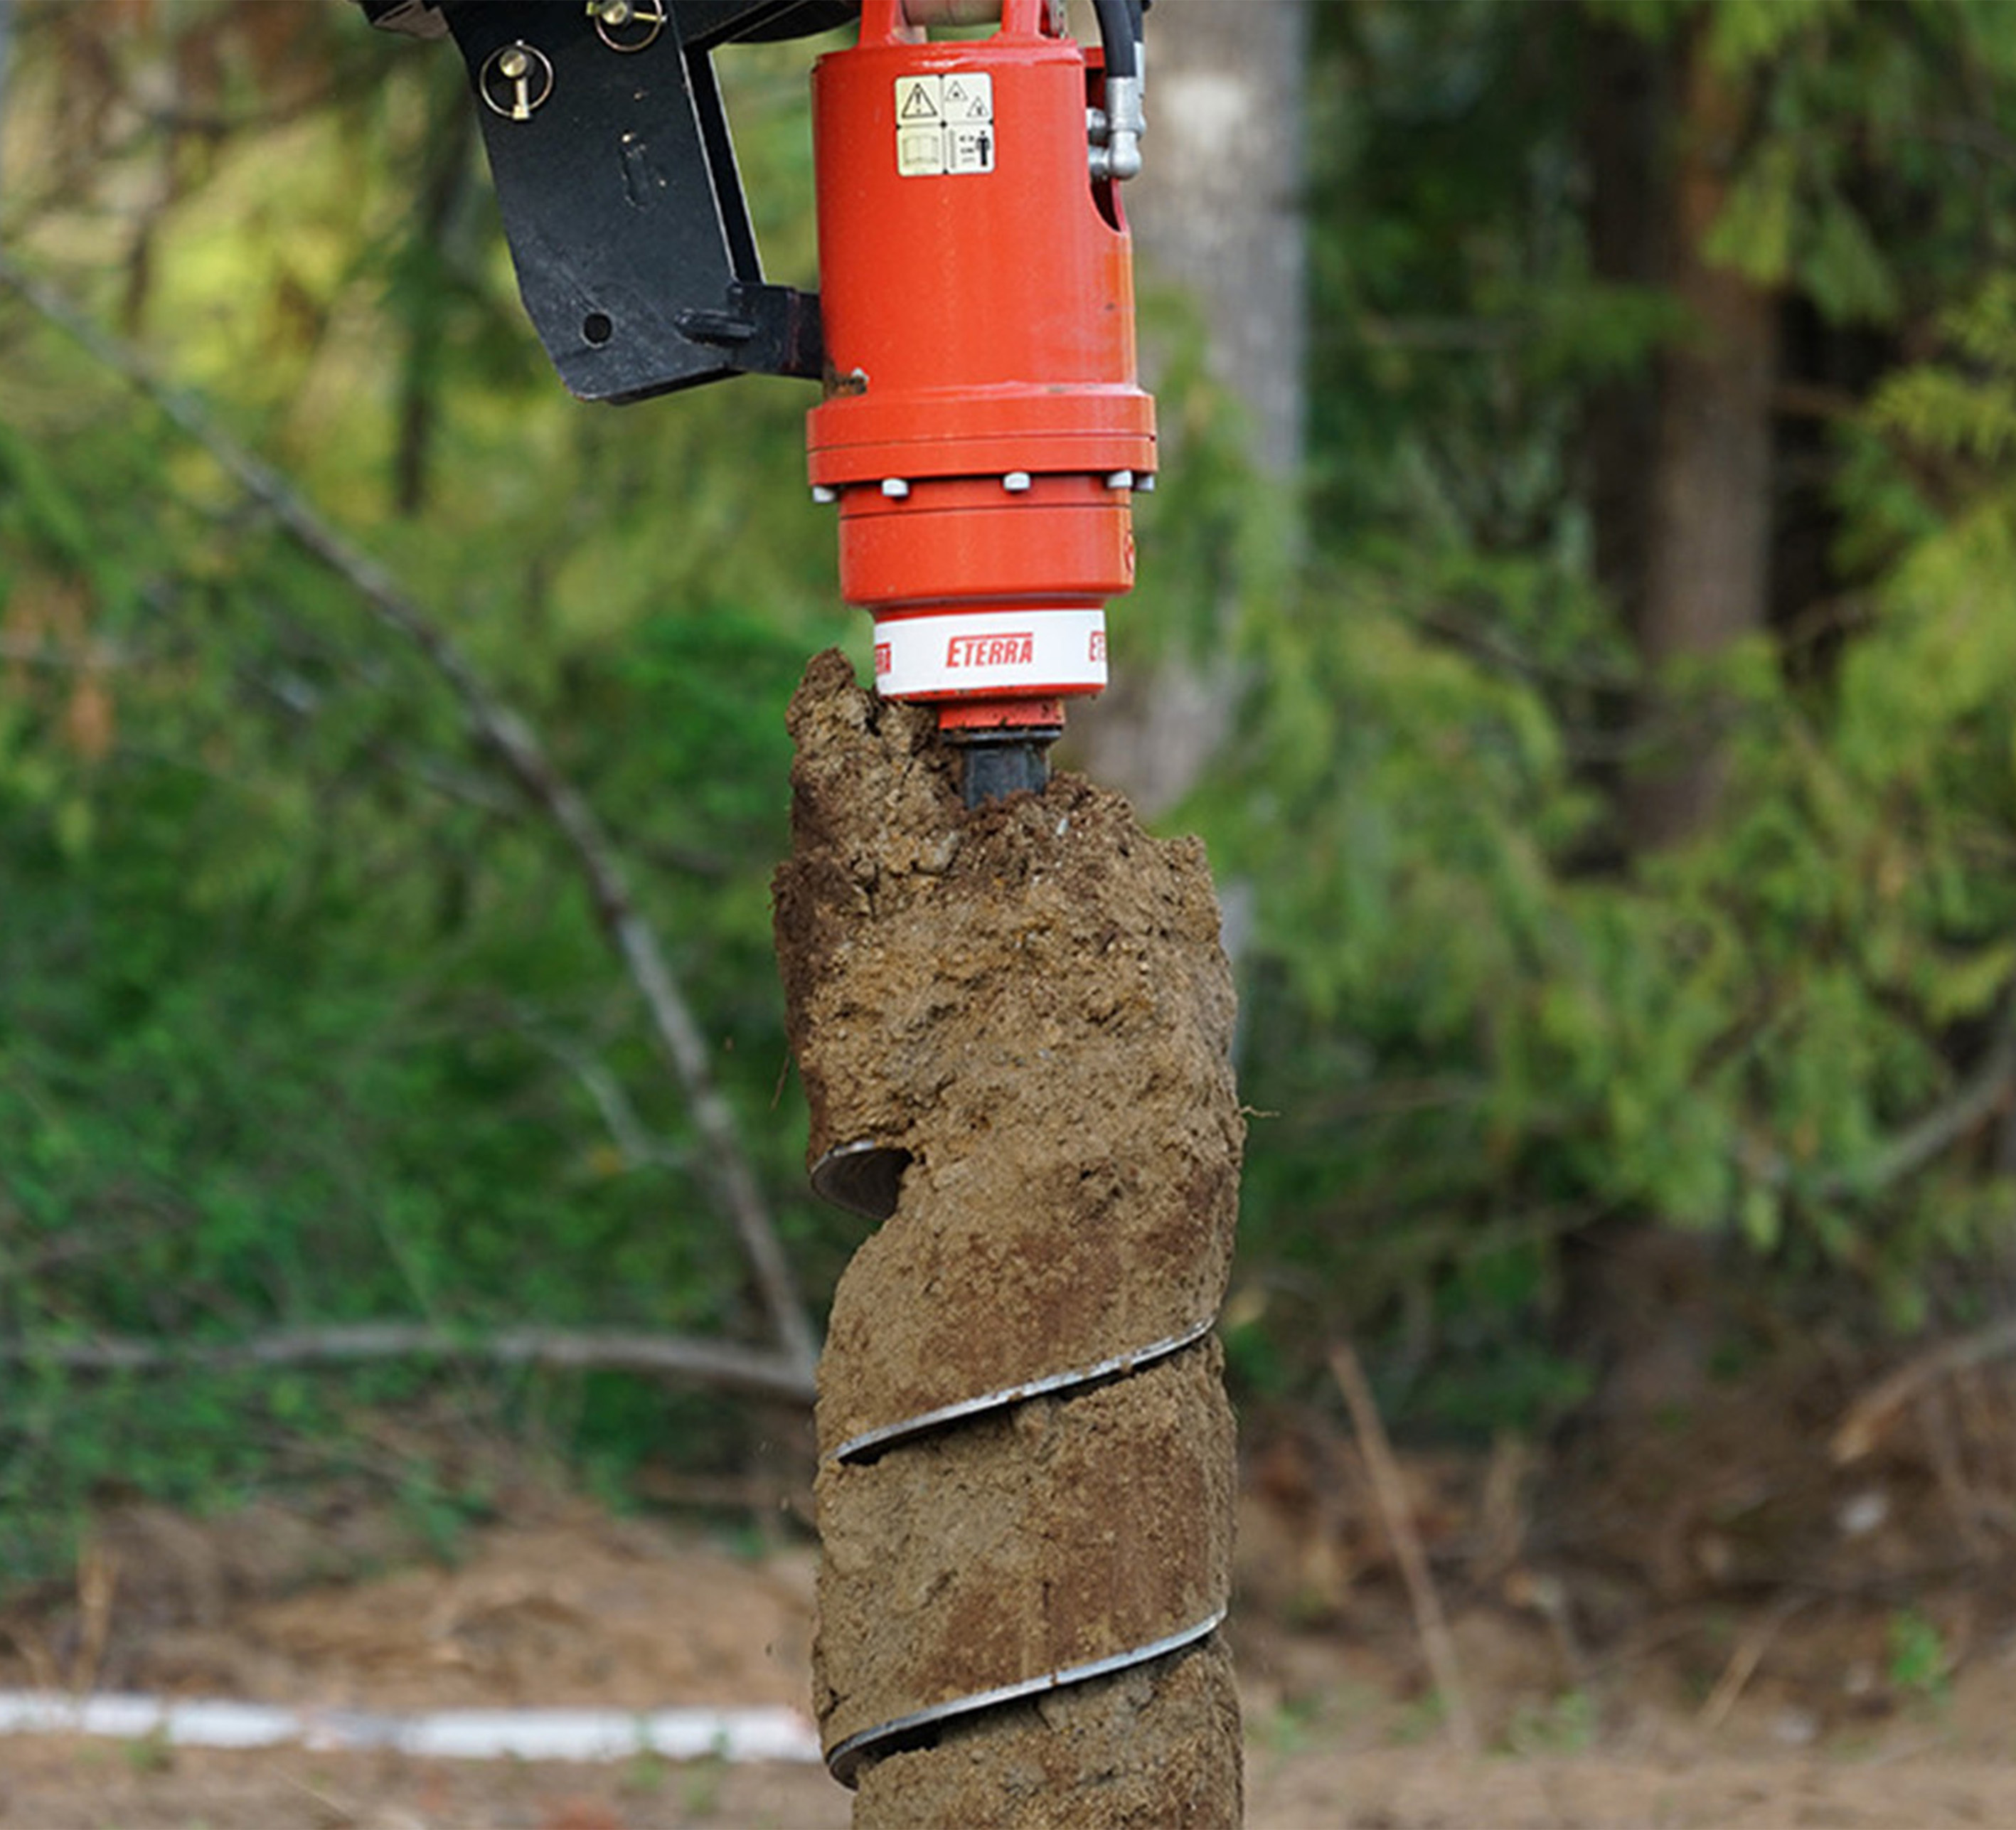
[
  {"x": 1217, "y": 212},
  {"x": 1708, "y": 506},
  {"x": 1625, "y": 124},
  {"x": 1679, "y": 469}
]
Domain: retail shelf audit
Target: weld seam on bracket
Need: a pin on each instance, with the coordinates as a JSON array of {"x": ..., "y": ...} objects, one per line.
[
  {"x": 844, "y": 1759},
  {"x": 886, "y": 1435}
]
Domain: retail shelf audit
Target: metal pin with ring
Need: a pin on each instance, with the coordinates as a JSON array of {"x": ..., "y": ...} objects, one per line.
[
  {"x": 516, "y": 81},
  {"x": 627, "y": 25}
]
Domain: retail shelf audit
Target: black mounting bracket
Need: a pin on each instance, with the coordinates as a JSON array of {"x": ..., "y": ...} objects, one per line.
[{"x": 616, "y": 173}]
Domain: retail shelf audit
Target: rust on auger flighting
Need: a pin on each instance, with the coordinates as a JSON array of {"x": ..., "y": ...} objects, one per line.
[{"x": 1021, "y": 1015}]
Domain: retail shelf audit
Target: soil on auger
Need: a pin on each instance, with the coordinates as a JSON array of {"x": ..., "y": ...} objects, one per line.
[{"x": 1029, "y": 1001}]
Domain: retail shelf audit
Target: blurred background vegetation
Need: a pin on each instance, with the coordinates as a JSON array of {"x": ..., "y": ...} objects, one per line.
[{"x": 1614, "y": 780}]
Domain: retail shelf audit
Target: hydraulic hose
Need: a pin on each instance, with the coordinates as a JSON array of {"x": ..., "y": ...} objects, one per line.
[{"x": 1120, "y": 35}]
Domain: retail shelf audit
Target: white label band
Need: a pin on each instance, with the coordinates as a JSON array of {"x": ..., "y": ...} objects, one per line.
[{"x": 1023, "y": 652}]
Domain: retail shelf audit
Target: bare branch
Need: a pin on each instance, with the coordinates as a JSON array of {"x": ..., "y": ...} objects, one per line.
[
  {"x": 642, "y": 1147},
  {"x": 1976, "y": 136},
  {"x": 1988, "y": 1090},
  {"x": 47, "y": 658},
  {"x": 1389, "y": 1488},
  {"x": 1487, "y": 335},
  {"x": 716, "y": 1363},
  {"x": 1491, "y": 647},
  {"x": 501, "y": 730},
  {"x": 6, "y": 51},
  {"x": 1984, "y": 1092},
  {"x": 1864, "y": 1423}
]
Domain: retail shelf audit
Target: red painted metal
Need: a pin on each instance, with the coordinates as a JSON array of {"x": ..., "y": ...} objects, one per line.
[{"x": 977, "y": 299}]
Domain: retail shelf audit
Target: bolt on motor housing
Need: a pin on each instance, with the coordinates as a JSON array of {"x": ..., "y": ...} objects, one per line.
[{"x": 983, "y": 428}]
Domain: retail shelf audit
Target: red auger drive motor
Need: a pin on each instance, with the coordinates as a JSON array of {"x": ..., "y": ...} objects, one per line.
[{"x": 982, "y": 430}]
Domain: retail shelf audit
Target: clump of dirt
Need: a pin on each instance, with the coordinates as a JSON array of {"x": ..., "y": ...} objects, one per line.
[{"x": 1028, "y": 1002}]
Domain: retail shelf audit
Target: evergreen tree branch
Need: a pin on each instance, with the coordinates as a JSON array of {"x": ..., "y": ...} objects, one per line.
[
  {"x": 502, "y": 730},
  {"x": 726, "y": 1363}
]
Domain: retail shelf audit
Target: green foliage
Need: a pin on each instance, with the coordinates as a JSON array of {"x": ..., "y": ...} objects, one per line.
[
  {"x": 1567, "y": 1725},
  {"x": 1920, "y": 1661},
  {"x": 1481, "y": 1025},
  {"x": 305, "y": 1018}
]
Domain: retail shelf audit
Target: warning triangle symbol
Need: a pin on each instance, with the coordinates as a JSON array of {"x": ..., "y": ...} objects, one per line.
[{"x": 918, "y": 106}]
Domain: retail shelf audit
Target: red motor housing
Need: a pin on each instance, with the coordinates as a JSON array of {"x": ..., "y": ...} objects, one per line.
[{"x": 983, "y": 428}]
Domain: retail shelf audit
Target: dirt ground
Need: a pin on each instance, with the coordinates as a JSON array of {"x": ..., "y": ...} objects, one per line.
[
  {"x": 1844, "y": 1707},
  {"x": 51, "y": 1786}
]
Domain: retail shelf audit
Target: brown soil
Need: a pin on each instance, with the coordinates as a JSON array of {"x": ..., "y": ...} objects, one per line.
[
  {"x": 1030, "y": 1002},
  {"x": 563, "y": 1607},
  {"x": 1735, "y": 1716},
  {"x": 58, "y": 1785}
]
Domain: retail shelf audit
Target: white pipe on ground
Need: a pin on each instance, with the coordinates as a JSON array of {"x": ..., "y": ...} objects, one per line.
[{"x": 740, "y": 1736}]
